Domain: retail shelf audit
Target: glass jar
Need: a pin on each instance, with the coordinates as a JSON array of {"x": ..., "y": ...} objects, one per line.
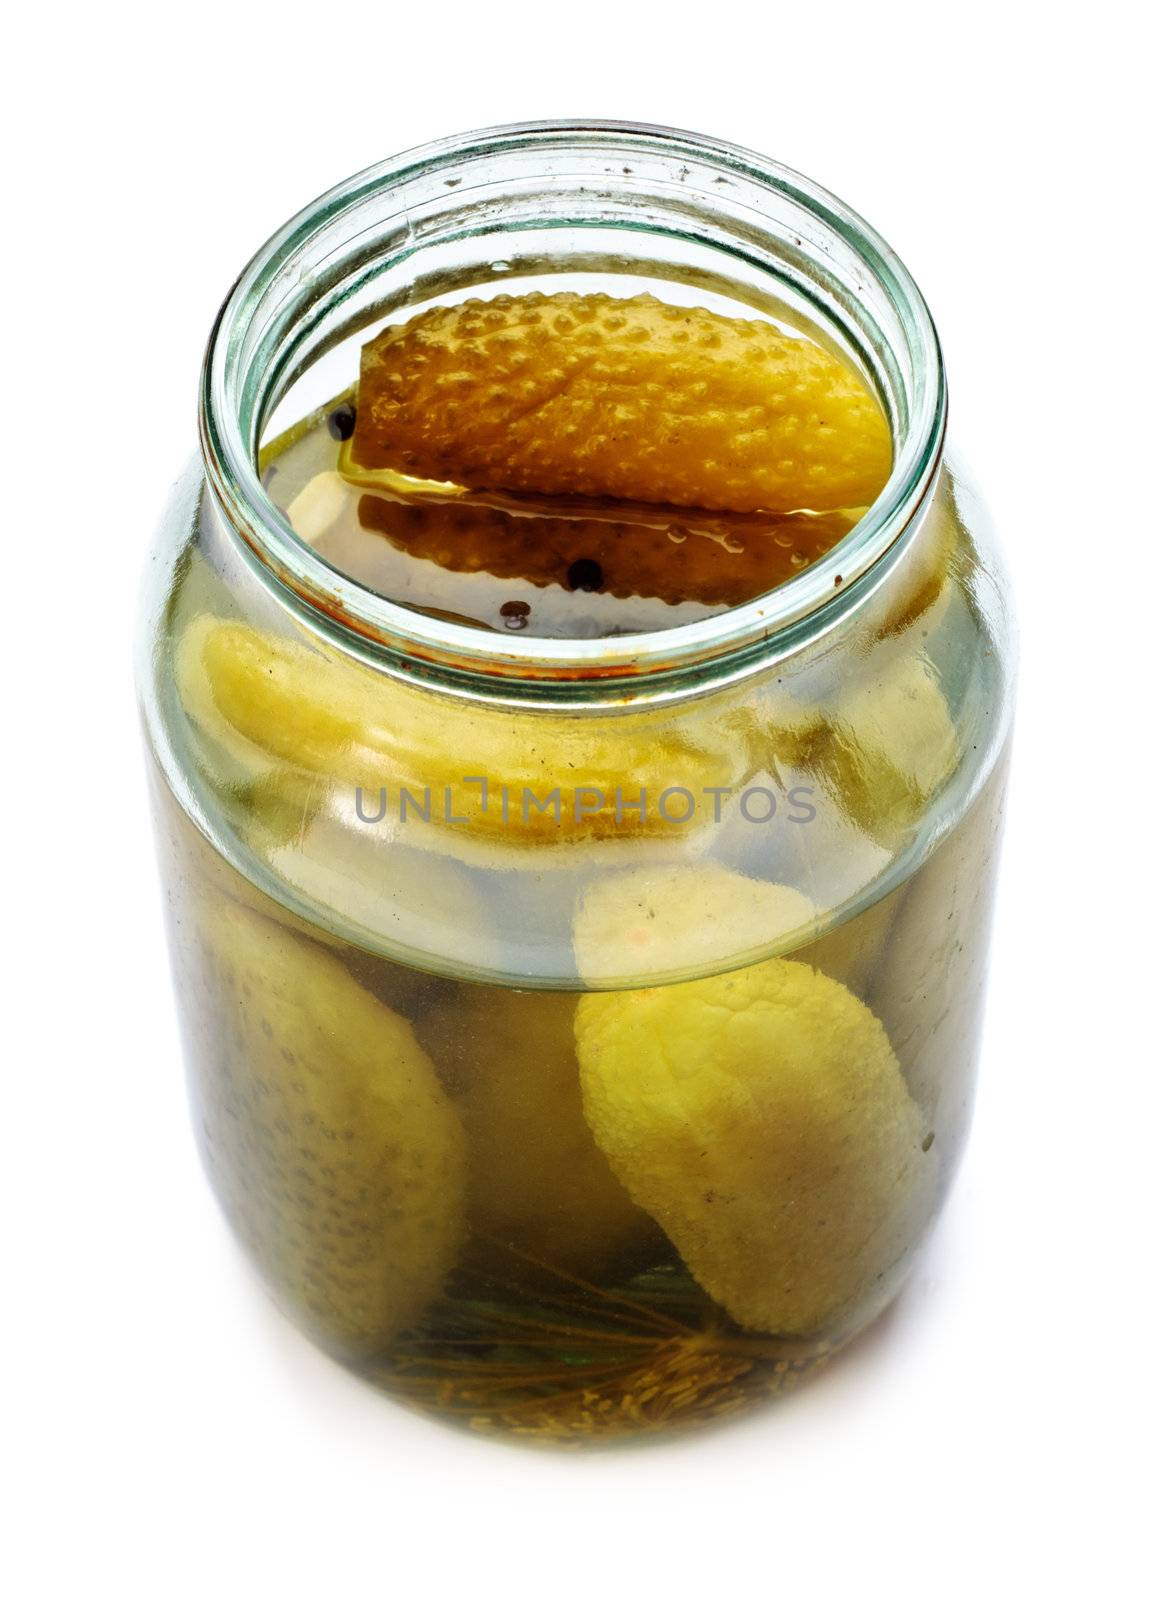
[{"x": 581, "y": 1032}]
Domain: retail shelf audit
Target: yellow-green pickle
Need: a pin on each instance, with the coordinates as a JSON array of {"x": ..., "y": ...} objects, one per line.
[{"x": 578, "y": 749}]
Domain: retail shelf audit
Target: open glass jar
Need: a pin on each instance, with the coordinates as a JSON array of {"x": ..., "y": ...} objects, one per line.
[{"x": 581, "y": 1026}]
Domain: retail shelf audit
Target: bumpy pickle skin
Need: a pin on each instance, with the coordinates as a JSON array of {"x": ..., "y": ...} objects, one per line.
[
  {"x": 330, "y": 1141},
  {"x": 563, "y": 778},
  {"x": 539, "y": 1188},
  {"x": 633, "y": 399},
  {"x": 762, "y": 1119}
]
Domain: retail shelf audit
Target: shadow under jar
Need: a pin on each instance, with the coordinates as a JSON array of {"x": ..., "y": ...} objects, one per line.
[{"x": 580, "y": 1008}]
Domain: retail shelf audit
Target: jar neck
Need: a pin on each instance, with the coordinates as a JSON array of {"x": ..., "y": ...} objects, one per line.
[{"x": 552, "y": 197}]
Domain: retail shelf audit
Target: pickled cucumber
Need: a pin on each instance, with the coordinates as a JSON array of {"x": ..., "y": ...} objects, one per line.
[
  {"x": 761, "y": 1117},
  {"x": 632, "y": 399},
  {"x": 333, "y": 1147},
  {"x": 512, "y": 776}
]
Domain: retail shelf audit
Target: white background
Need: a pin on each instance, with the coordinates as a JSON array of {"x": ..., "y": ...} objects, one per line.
[{"x": 167, "y": 1434}]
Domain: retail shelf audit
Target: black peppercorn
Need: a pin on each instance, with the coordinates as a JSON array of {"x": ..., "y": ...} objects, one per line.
[{"x": 341, "y": 423}]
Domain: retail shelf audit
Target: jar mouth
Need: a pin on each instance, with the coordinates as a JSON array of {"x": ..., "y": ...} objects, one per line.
[{"x": 320, "y": 278}]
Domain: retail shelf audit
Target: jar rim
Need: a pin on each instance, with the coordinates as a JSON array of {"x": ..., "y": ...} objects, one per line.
[{"x": 303, "y": 257}]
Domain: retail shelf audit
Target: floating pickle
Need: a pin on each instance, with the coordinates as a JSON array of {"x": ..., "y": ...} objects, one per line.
[
  {"x": 332, "y": 1144},
  {"x": 718, "y": 561},
  {"x": 625, "y": 398},
  {"x": 761, "y": 1117},
  {"x": 548, "y": 776},
  {"x": 538, "y": 1185}
]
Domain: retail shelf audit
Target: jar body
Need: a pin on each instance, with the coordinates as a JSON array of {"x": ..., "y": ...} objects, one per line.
[{"x": 580, "y": 1068}]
